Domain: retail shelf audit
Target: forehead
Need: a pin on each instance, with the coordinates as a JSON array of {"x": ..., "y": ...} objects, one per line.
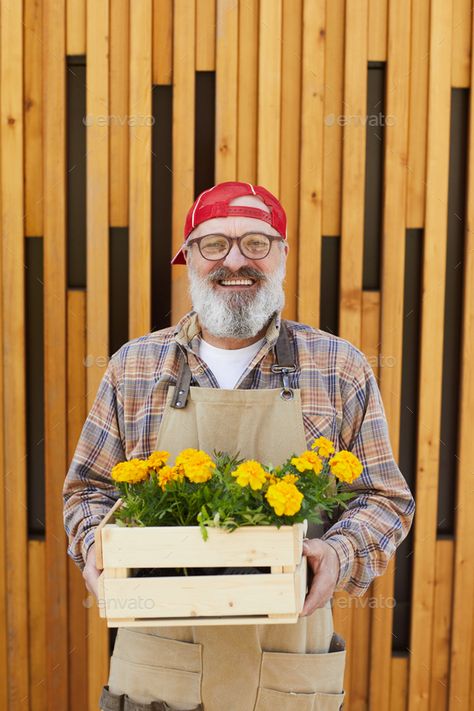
[{"x": 232, "y": 226}]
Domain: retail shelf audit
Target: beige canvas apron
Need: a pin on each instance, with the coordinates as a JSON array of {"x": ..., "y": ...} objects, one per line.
[{"x": 294, "y": 667}]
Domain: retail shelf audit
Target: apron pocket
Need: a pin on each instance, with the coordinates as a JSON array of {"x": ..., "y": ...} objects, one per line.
[
  {"x": 150, "y": 668},
  {"x": 270, "y": 700},
  {"x": 303, "y": 673}
]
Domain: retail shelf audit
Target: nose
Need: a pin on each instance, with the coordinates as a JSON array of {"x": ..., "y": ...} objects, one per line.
[{"x": 235, "y": 259}]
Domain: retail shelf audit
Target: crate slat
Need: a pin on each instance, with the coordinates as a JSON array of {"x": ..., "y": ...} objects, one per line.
[
  {"x": 203, "y": 595},
  {"x": 170, "y": 547}
]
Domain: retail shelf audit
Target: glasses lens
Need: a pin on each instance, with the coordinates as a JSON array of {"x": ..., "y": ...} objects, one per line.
[
  {"x": 214, "y": 247},
  {"x": 255, "y": 246}
]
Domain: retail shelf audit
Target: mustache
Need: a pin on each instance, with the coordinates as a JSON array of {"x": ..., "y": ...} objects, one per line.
[{"x": 246, "y": 272}]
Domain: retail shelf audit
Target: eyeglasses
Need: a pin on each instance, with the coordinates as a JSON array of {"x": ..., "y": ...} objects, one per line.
[{"x": 253, "y": 245}]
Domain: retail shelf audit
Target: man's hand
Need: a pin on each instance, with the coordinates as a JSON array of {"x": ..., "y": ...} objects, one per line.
[
  {"x": 91, "y": 572},
  {"x": 324, "y": 563}
]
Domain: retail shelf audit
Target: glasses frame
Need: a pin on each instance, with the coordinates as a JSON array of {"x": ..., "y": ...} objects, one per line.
[{"x": 230, "y": 241}]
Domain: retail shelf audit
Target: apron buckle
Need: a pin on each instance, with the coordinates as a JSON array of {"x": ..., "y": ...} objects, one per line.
[{"x": 286, "y": 392}]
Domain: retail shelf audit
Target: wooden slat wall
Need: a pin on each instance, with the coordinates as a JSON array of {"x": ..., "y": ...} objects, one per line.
[
  {"x": 97, "y": 295},
  {"x": 291, "y": 86}
]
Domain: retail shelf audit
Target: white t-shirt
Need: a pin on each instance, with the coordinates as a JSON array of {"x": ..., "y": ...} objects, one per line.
[{"x": 228, "y": 365}]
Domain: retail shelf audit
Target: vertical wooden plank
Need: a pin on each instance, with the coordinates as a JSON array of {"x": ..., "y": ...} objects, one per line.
[
  {"x": 370, "y": 344},
  {"x": 76, "y": 414},
  {"x": 360, "y": 654},
  {"x": 248, "y": 88},
  {"x": 97, "y": 190},
  {"x": 33, "y": 108},
  {"x": 378, "y": 19},
  {"x": 3, "y": 499},
  {"x": 119, "y": 112},
  {"x": 461, "y": 61},
  {"x": 183, "y": 141},
  {"x": 140, "y": 168},
  {"x": 269, "y": 95},
  {"x": 441, "y": 642},
  {"x": 392, "y": 316},
  {"x": 311, "y": 177},
  {"x": 54, "y": 221},
  {"x": 353, "y": 177},
  {"x": 37, "y": 610},
  {"x": 420, "y": 27},
  {"x": 14, "y": 396},
  {"x": 162, "y": 41},
  {"x": 290, "y": 140},
  {"x": 399, "y": 684},
  {"x": 462, "y": 663},
  {"x": 352, "y": 217},
  {"x": 431, "y": 356},
  {"x": 206, "y": 32},
  {"x": 226, "y": 90},
  {"x": 472, "y": 682},
  {"x": 76, "y": 26},
  {"x": 363, "y": 614},
  {"x": 333, "y": 111}
]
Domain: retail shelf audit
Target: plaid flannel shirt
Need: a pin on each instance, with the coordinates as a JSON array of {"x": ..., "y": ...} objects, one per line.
[{"x": 340, "y": 400}]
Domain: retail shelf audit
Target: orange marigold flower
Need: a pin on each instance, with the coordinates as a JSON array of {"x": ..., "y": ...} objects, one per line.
[
  {"x": 324, "y": 446},
  {"x": 167, "y": 474},
  {"x": 308, "y": 461},
  {"x": 132, "y": 471},
  {"x": 158, "y": 459},
  {"x": 345, "y": 466},
  {"x": 250, "y": 473},
  {"x": 196, "y": 465},
  {"x": 284, "y": 498}
]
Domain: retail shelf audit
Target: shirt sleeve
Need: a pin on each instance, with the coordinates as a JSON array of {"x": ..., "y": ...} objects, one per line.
[
  {"x": 89, "y": 491},
  {"x": 379, "y": 517}
]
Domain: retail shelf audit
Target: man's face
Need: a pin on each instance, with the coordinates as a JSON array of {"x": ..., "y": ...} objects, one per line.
[
  {"x": 225, "y": 307},
  {"x": 235, "y": 263}
]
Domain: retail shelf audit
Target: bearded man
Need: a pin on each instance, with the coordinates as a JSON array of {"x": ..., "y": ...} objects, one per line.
[{"x": 232, "y": 375}]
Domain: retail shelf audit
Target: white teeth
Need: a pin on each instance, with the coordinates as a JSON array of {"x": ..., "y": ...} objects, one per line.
[{"x": 237, "y": 282}]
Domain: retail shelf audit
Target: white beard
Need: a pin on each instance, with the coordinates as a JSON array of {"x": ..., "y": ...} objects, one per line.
[{"x": 237, "y": 314}]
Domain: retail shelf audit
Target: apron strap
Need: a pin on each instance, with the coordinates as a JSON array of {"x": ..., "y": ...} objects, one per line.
[
  {"x": 181, "y": 391},
  {"x": 285, "y": 364},
  {"x": 285, "y": 361}
]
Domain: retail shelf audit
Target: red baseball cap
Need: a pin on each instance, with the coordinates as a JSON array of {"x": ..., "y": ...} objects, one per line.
[{"x": 214, "y": 202}]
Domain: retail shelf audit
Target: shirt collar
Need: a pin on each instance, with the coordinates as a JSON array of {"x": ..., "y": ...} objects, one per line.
[{"x": 188, "y": 328}]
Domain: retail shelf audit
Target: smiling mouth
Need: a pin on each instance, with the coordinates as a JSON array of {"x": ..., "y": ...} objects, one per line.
[{"x": 242, "y": 282}]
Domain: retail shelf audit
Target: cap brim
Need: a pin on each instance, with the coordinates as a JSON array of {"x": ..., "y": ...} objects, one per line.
[{"x": 179, "y": 257}]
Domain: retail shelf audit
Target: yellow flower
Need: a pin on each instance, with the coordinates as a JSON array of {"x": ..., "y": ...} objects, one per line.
[
  {"x": 308, "y": 461},
  {"x": 324, "y": 446},
  {"x": 195, "y": 464},
  {"x": 345, "y": 466},
  {"x": 271, "y": 477},
  {"x": 250, "y": 472},
  {"x": 167, "y": 474},
  {"x": 158, "y": 459},
  {"x": 133, "y": 471},
  {"x": 290, "y": 478},
  {"x": 284, "y": 498}
]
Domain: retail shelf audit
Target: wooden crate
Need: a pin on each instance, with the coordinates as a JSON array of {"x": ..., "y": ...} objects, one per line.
[{"x": 259, "y": 598}]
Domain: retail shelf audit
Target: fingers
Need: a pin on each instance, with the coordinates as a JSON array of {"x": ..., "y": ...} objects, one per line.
[
  {"x": 319, "y": 593},
  {"x": 321, "y": 559},
  {"x": 91, "y": 573},
  {"x": 92, "y": 584}
]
